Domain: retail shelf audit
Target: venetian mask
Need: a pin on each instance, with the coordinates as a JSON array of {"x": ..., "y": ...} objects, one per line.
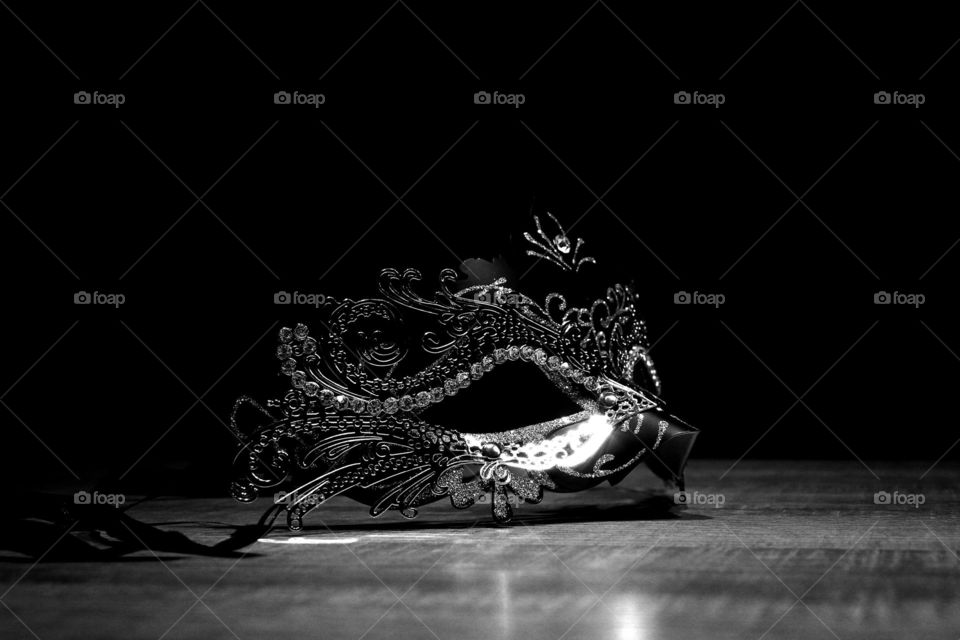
[{"x": 366, "y": 375}]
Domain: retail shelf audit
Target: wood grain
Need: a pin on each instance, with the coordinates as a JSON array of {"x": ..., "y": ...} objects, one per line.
[{"x": 797, "y": 550}]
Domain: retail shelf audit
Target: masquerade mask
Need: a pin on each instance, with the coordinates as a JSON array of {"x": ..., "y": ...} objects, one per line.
[{"x": 366, "y": 375}]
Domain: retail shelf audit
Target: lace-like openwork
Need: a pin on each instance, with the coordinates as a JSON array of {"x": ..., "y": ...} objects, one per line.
[{"x": 352, "y": 425}]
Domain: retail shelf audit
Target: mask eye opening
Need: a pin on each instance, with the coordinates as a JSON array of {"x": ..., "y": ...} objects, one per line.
[{"x": 513, "y": 395}]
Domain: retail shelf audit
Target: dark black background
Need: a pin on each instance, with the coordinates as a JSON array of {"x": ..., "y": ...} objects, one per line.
[{"x": 296, "y": 198}]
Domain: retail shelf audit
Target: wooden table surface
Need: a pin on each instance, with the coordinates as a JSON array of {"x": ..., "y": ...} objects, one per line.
[{"x": 796, "y": 550}]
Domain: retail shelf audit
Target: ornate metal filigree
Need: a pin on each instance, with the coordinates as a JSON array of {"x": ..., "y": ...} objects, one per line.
[
  {"x": 361, "y": 380},
  {"x": 558, "y": 248}
]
